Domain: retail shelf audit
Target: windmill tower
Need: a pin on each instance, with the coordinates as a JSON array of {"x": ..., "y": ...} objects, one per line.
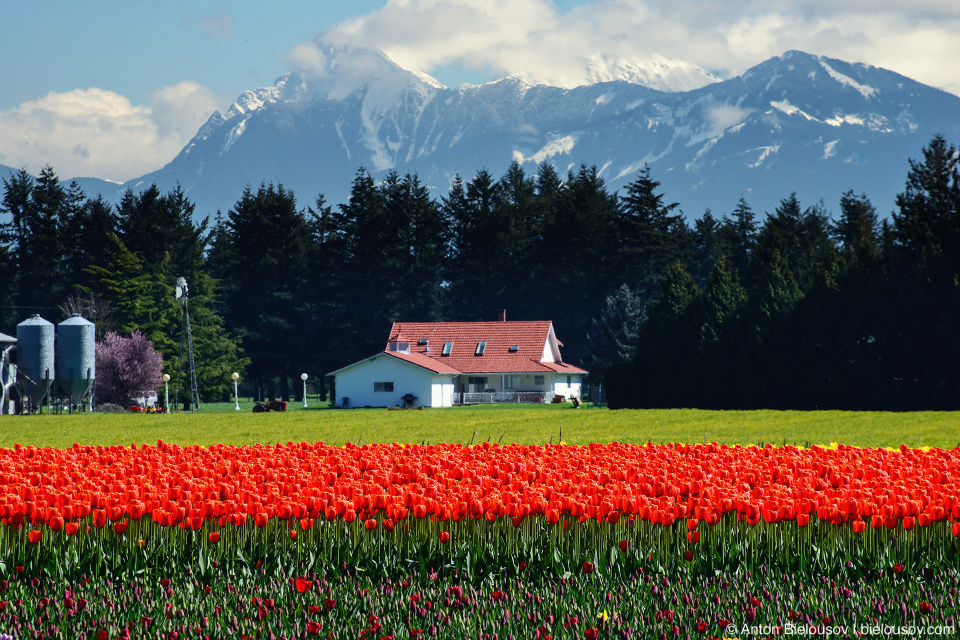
[{"x": 186, "y": 345}]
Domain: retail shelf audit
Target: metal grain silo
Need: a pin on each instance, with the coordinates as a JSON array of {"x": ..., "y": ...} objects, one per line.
[
  {"x": 76, "y": 357},
  {"x": 35, "y": 368}
]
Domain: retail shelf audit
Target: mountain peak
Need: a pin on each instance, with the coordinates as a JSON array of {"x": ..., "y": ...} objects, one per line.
[
  {"x": 334, "y": 72},
  {"x": 657, "y": 72},
  {"x": 662, "y": 74}
]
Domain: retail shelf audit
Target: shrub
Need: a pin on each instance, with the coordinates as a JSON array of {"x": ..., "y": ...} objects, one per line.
[{"x": 127, "y": 368}]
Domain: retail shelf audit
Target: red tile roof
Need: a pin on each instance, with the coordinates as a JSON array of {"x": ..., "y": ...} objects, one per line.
[
  {"x": 419, "y": 359},
  {"x": 530, "y": 338},
  {"x": 395, "y": 335}
]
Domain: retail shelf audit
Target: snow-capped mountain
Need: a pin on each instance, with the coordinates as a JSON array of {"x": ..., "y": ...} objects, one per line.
[
  {"x": 795, "y": 123},
  {"x": 657, "y": 73}
]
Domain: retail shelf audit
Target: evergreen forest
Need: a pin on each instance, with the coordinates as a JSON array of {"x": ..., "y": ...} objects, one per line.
[{"x": 803, "y": 307}]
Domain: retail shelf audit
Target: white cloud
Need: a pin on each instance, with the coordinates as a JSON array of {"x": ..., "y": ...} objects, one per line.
[
  {"x": 94, "y": 132},
  {"x": 308, "y": 58},
  {"x": 724, "y": 116},
  {"x": 180, "y": 109},
  {"x": 535, "y": 40}
]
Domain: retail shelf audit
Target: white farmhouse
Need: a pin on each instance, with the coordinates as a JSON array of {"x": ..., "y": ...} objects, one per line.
[{"x": 442, "y": 364}]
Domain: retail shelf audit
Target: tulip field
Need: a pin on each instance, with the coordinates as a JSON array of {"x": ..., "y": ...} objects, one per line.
[{"x": 483, "y": 540}]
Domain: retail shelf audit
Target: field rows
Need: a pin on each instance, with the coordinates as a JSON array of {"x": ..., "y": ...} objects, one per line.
[{"x": 454, "y": 540}]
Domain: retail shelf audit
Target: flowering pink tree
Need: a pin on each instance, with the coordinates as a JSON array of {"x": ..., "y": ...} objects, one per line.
[{"x": 127, "y": 368}]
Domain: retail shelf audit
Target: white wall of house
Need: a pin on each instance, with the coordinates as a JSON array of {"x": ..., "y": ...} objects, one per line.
[
  {"x": 442, "y": 391},
  {"x": 382, "y": 381},
  {"x": 567, "y": 385}
]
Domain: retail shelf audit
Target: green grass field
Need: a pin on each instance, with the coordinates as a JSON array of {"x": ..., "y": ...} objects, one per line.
[{"x": 525, "y": 424}]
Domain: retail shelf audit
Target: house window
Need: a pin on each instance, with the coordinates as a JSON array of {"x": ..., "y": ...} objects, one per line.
[
  {"x": 402, "y": 347},
  {"x": 422, "y": 342},
  {"x": 514, "y": 348},
  {"x": 511, "y": 382},
  {"x": 478, "y": 384},
  {"x": 480, "y": 347},
  {"x": 447, "y": 348},
  {"x": 538, "y": 381},
  {"x": 569, "y": 380},
  {"x": 383, "y": 386}
]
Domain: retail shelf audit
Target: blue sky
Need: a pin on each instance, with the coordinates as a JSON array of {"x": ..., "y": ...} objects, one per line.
[
  {"x": 114, "y": 88},
  {"x": 134, "y": 47}
]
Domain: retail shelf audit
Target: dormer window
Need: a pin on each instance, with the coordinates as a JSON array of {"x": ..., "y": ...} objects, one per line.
[
  {"x": 399, "y": 347},
  {"x": 480, "y": 347}
]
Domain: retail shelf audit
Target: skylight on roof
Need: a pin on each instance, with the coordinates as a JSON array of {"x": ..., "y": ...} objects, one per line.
[
  {"x": 447, "y": 348},
  {"x": 422, "y": 341},
  {"x": 480, "y": 347},
  {"x": 514, "y": 348}
]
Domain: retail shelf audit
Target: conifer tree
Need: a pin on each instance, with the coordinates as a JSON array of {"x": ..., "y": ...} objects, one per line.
[
  {"x": 667, "y": 344},
  {"x": 130, "y": 290},
  {"x": 926, "y": 223},
  {"x": 613, "y": 336},
  {"x": 261, "y": 254},
  {"x": 858, "y": 229},
  {"x": 653, "y": 232},
  {"x": 719, "y": 383}
]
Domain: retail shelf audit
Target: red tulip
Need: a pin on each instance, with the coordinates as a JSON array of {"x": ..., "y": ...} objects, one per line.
[
  {"x": 120, "y": 527},
  {"x": 624, "y": 545},
  {"x": 302, "y": 584},
  {"x": 587, "y": 567},
  {"x": 34, "y": 536},
  {"x": 213, "y": 537},
  {"x": 444, "y": 537},
  {"x": 693, "y": 537}
]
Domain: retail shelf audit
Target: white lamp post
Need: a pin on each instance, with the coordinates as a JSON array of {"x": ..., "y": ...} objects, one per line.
[
  {"x": 166, "y": 391},
  {"x": 236, "y": 395},
  {"x": 303, "y": 377}
]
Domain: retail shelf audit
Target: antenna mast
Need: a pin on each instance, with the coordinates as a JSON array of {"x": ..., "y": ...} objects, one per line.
[{"x": 186, "y": 344}]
